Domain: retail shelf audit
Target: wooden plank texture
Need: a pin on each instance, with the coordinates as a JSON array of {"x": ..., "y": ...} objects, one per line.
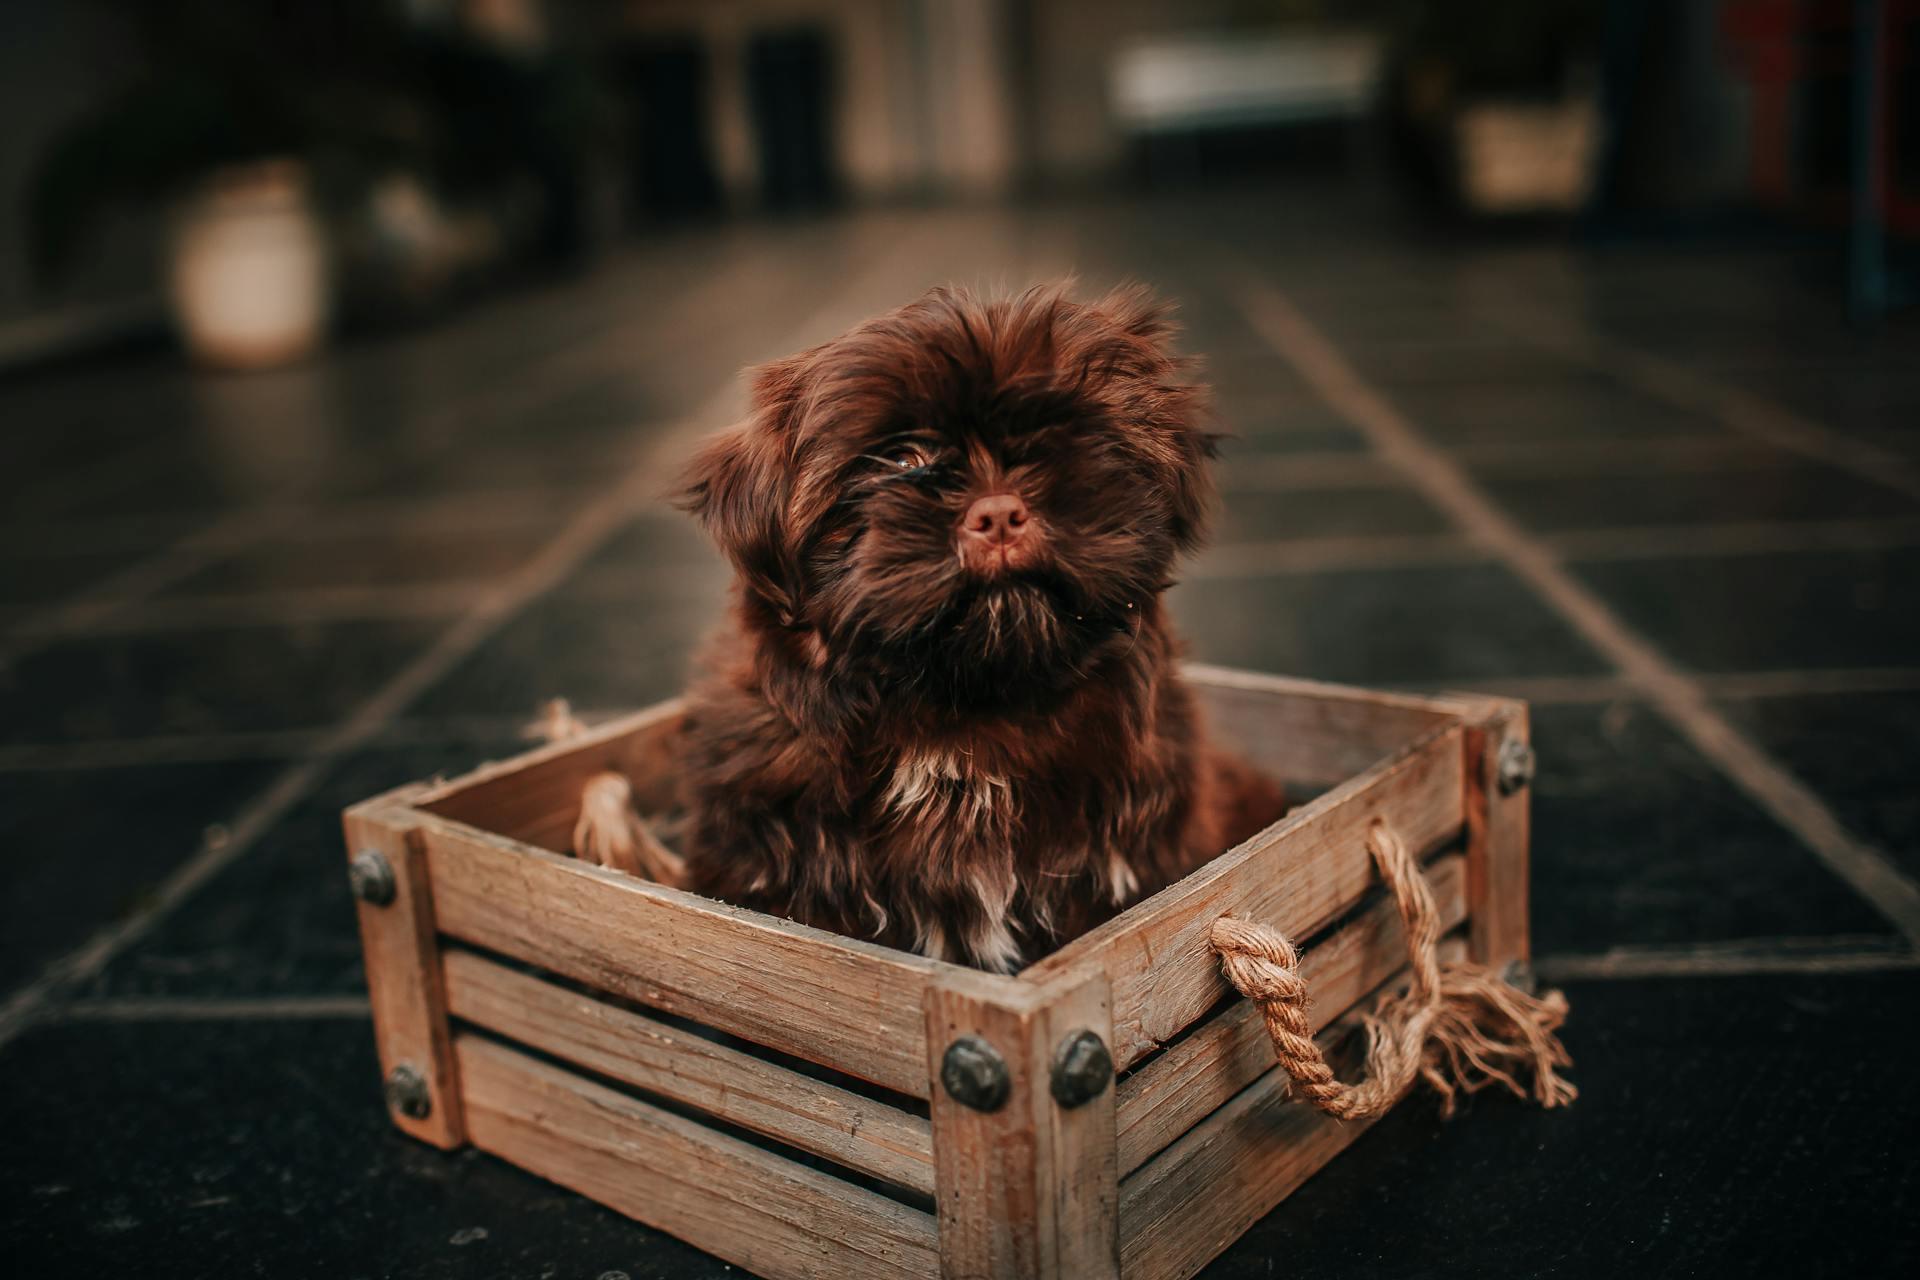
[
  {"x": 1171, "y": 1093},
  {"x": 1497, "y": 838},
  {"x": 1298, "y": 876},
  {"x": 845, "y": 1127},
  {"x": 1304, "y": 732},
  {"x": 1227, "y": 1172},
  {"x": 846, "y": 1004},
  {"x": 401, "y": 951},
  {"x": 772, "y": 1216},
  {"x": 1029, "y": 1191},
  {"x": 535, "y": 796}
]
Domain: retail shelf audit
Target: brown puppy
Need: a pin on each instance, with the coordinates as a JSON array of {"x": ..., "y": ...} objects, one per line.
[{"x": 944, "y": 713}]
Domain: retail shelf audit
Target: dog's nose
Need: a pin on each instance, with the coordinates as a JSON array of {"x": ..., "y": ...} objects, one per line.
[{"x": 997, "y": 519}]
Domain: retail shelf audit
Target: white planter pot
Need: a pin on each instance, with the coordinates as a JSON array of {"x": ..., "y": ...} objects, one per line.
[{"x": 248, "y": 268}]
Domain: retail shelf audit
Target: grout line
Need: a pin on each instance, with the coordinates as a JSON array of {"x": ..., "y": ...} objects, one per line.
[
  {"x": 1261, "y": 472},
  {"x": 559, "y": 371},
  {"x": 406, "y": 602},
  {"x": 1689, "y": 389},
  {"x": 1315, "y": 555},
  {"x": 1623, "y": 456},
  {"x": 1732, "y": 538},
  {"x": 1679, "y": 698},
  {"x": 213, "y": 1008},
  {"x": 1581, "y": 546},
  {"x": 132, "y": 613},
  {"x": 590, "y": 527},
  {"x": 280, "y": 744},
  {"x": 140, "y": 581},
  {"x": 1568, "y": 690},
  {"x": 1310, "y": 470},
  {"x": 1845, "y": 954},
  {"x": 180, "y": 748}
]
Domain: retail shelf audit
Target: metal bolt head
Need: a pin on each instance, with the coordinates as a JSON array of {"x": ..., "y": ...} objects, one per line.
[
  {"x": 1081, "y": 1068},
  {"x": 1514, "y": 765},
  {"x": 407, "y": 1093},
  {"x": 975, "y": 1074},
  {"x": 371, "y": 877}
]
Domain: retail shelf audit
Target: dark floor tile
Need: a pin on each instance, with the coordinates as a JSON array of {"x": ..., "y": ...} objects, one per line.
[
  {"x": 1758, "y": 1126},
  {"x": 85, "y": 847},
  {"x": 193, "y": 484},
  {"x": 585, "y": 472},
  {"x": 1564, "y": 409},
  {"x": 1233, "y": 370},
  {"x": 242, "y": 678},
  {"x": 40, "y": 580},
  {"x": 1385, "y": 626},
  {"x": 278, "y": 920},
  {"x": 1434, "y": 360},
  {"x": 1858, "y": 752},
  {"x": 655, "y": 540},
  {"x": 598, "y": 650},
  {"x": 263, "y": 1149},
  {"x": 1286, "y": 430},
  {"x": 392, "y": 558},
  {"x": 1639, "y": 841},
  {"x": 1576, "y": 501},
  {"x": 1745, "y": 613},
  {"x": 1247, "y": 516}
]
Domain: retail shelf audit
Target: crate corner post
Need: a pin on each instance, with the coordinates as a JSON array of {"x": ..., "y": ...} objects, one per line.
[
  {"x": 1025, "y": 1166},
  {"x": 387, "y": 867},
  {"x": 1500, "y": 768}
]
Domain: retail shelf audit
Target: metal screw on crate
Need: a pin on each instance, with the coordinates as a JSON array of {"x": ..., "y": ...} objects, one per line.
[
  {"x": 975, "y": 1074},
  {"x": 407, "y": 1093},
  {"x": 1515, "y": 765},
  {"x": 371, "y": 877},
  {"x": 1081, "y": 1068}
]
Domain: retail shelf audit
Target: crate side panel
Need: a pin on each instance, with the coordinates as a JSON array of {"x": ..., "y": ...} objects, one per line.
[
  {"x": 1498, "y": 822},
  {"x": 860, "y": 1133},
  {"x": 1226, "y": 1173},
  {"x": 1298, "y": 876},
  {"x": 535, "y": 797},
  {"x": 771, "y": 1216},
  {"x": 1171, "y": 1093},
  {"x": 1305, "y": 733},
  {"x": 401, "y": 952},
  {"x": 1027, "y": 1188},
  {"x": 845, "y": 1004}
]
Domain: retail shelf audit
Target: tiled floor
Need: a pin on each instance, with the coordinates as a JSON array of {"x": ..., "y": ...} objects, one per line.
[{"x": 1683, "y": 517}]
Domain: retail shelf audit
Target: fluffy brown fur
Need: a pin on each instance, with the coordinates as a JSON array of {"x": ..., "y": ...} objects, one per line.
[{"x": 908, "y": 732}]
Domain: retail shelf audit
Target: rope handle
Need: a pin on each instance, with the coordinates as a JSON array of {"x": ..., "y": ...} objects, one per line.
[{"x": 1460, "y": 1027}]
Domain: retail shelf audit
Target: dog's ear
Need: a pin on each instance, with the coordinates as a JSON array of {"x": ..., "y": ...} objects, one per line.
[
  {"x": 740, "y": 484},
  {"x": 1171, "y": 406}
]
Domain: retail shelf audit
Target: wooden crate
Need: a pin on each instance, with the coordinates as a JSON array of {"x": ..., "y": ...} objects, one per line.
[{"x": 661, "y": 1052}]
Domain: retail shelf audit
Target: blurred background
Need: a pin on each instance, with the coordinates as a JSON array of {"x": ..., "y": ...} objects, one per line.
[{"x": 347, "y": 349}]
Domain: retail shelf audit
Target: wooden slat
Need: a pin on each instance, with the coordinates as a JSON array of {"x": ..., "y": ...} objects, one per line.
[
  {"x": 1299, "y": 875},
  {"x": 1227, "y": 1172},
  {"x": 844, "y": 1127},
  {"x": 772, "y": 1216},
  {"x": 1306, "y": 733},
  {"x": 1171, "y": 1093},
  {"x": 1030, "y": 1190},
  {"x": 1202, "y": 1193},
  {"x": 535, "y": 796},
  {"x": 401, "y": 950},
  {"x": 846, "y": 1004},
  {"x": 1497, "y": 836}
]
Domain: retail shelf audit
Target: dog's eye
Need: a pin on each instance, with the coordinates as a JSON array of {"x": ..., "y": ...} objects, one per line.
[{"x": 908, "y": 456}]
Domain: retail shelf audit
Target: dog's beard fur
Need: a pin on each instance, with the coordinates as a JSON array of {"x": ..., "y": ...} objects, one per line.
[{"x": 900, "y": 739}]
